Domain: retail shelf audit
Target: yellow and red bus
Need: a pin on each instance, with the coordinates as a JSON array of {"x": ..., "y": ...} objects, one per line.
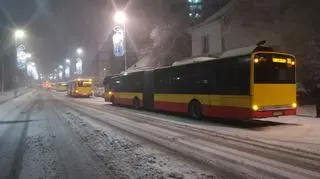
[
  {"x": 252, "y": 82},
  {"x": 81, "y": 87}
]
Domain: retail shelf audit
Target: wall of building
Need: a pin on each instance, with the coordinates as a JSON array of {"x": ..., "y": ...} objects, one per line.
[
  {"x": 213, "y": 32},
  {"x": 290, "y": 25}
]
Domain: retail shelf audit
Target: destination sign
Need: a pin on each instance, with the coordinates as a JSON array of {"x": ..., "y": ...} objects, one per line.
[{"x": 279, "y": 60}]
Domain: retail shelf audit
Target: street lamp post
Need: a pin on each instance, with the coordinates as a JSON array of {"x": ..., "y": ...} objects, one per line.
[
  {"x": 121, "y": 18},
  {"x": 18, "y": 34}
]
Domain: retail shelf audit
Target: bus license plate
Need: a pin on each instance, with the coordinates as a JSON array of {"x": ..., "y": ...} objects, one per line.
[{"x": 278, "y": 113}]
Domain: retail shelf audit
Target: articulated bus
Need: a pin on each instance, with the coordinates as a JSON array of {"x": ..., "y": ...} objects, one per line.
[
  {"x": 247, "y": 83},
  {"x": 81, "y": 87}
]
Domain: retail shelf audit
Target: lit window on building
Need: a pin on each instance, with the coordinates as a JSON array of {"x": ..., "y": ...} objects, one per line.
[{"x": 195, "y": 8}]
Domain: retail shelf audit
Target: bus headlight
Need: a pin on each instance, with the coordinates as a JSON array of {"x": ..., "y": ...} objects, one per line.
[
  {"x": 76, "y": 91},
  {"x": 255, "y": 107},
  {"x": 294, "y": 105},
  {"x": 110, "y": 92}
]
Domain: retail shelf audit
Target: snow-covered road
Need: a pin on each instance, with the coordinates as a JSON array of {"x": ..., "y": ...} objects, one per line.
[
  {"x": 36, "y": 143},
  {"x": 281, "y": 147},
  {"x": 50, "y": 135}
]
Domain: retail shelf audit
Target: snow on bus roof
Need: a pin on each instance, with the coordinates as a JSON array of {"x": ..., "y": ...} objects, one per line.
[
  {"x": 238, "y": 52},
  {"x": 192, "y": 60}
]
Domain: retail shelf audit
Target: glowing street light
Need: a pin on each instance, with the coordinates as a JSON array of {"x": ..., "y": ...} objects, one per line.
[
  {"x": 60, "y": 66},
  {"x": 120, "y": 17},
  {"x": 19, "y": 34},
  {"x": 68, "y": 61},
  {"x": 79, "y": 51}
]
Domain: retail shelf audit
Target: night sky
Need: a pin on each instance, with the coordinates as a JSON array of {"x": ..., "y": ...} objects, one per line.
[{"x": 55, "y": 28}]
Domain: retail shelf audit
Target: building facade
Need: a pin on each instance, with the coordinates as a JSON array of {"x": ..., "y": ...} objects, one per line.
[{"x": 243, "y": 23}]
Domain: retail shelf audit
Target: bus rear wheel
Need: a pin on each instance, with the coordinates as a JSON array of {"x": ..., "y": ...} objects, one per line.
[
  {"x": 136, "y": 103},
  {"x": 195, "y": 110},
  {"x": 112, "y": 100}
]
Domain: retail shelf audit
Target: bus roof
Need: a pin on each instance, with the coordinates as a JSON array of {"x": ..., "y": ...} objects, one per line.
[
  {"x": 81, "y": 79},
  {"x": 230, "y": 53},
  {"x": 238, "y": 52},
  {"x": 245, "y": 51},
  {"x": 192, "y": 60}
]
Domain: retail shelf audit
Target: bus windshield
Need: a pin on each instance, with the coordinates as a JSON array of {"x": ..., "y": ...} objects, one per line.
[
  {"x": 271, "y": 68},
  {"x": 84, "y": 84}
]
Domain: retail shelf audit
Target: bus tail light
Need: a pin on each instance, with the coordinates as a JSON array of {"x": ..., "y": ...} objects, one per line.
[
  {"x": 255, "y": 107},
  {"x": 294, "y": 105}
]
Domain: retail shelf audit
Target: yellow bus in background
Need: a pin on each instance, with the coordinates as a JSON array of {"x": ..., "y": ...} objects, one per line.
[
  {"x": 81, "y": 87},
  {"x": 61, "y": 86}
]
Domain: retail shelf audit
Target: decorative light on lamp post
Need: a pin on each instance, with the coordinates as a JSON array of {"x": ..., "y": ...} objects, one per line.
[
  {"x": 20, "y": 48},
  {"x": 28, "y": 55},
  {"x": 67, "y": 68},
  {"x": 79, "y": 61},
  {"x": 120, "y": 18}
]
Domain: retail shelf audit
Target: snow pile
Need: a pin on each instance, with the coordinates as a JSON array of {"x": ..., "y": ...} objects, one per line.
[
  {"x": 128, "y": 157},
  {"x": 10, "y": 94},
  {"x": 307, "y": 111}
]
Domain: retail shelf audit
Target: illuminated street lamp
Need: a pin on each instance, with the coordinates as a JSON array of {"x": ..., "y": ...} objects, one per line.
[
  {"x": 79, "y": 51},
  {"x": 68, "y": 61},
  {"x": 120, "y": 18},
  {"x": 19, "y": 34}
]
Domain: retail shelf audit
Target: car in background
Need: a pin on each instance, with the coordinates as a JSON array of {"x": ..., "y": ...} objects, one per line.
[{"x": 99, "y": 92}]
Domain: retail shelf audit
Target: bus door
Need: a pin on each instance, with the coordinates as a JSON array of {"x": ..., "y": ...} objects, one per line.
[
  {"x": 198, "y": 79},
  {"x": 148, "y": 89}
]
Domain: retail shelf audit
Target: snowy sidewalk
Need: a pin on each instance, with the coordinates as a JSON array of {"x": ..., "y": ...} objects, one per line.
[
  {"x": 10, "y": 94},
  {"x": 307, "y": 111}
]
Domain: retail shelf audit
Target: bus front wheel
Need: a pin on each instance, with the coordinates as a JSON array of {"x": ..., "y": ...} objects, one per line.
[
  {"x": 136, "y": 103},
  {"x": 195, "y": 110}
]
